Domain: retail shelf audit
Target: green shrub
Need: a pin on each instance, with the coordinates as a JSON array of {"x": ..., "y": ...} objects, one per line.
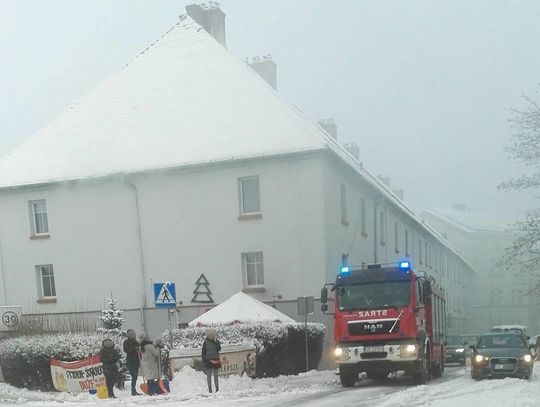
[
  {"x": 280, "y": 347},
  {"x": 25, "y": 360}
]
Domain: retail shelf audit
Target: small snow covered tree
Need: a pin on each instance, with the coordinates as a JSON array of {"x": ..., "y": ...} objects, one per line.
[
  {"x": 112, "y": 319},
  {"x": 525, "y": 148}
]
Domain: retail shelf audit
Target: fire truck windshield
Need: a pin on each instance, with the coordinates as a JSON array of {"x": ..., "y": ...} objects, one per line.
[{"x": 374, "y": 295}]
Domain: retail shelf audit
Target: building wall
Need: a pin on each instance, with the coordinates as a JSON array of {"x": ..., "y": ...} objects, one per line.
[
  {"x": 91, "y": 246},
  {"x": 378, "y": 245},
  {"x": 190, "y": 225},
  {"x": 499, "y": 294}
]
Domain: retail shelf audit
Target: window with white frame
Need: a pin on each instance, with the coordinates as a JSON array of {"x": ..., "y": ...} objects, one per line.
[
  {"x": 343, "y": 194},
  {"x": 363, "y": 225},
  {"x": 396, "y": 237},
  {"x": 45, "y": 280},
  {"x": 382, "y": 228},
  {"x": 253, "y": 266},
  {"x": 250, "y": 195},
  {"x": 420, "y": 259},
  {"x": 407, "y": 242},
  {"x": 39, "y": 220}
]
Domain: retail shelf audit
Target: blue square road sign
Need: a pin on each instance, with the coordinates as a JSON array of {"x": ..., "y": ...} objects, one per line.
[{"x": 165, "y": 295}]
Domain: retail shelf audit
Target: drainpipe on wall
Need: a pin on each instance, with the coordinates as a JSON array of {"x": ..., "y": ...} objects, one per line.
[{"x": 141, "y": 251}]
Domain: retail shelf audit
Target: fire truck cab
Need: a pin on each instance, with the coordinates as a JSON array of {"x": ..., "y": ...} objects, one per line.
[{"x": 387, "y": 319}]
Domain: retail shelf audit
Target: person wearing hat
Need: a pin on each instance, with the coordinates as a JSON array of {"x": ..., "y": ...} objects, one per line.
[
  {"x": 131, "y": 348},
  {"x": 211, "y": 359},
  {"x": 150, "y": 363},
  {"x": 109, "y": 357}
]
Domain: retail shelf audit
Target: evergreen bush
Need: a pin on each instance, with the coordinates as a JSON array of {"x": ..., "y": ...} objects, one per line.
[
  {"x": 280, "y": 347},
  {"x": 25, "y": 360}
]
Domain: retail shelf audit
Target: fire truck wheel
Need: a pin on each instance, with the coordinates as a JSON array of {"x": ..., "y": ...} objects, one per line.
[
  {"x": 421, "y": 376},
  {"x": 348, "y": 376},
  {"x": 436, "y": 371}
]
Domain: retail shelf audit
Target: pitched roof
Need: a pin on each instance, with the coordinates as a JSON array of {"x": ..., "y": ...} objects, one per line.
[
  {"x": 240, "y": 308},
  {"x": 184, "y": 100},
  {"x": 473, "y": 220}
]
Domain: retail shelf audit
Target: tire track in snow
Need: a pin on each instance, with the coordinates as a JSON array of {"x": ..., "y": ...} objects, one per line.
[{"x": 368, "y": 392}]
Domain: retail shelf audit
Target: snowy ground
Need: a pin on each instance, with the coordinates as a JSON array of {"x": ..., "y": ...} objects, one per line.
[{"x": 313, "y": 389}]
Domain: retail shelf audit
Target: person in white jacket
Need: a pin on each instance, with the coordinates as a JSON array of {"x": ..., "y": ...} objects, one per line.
[{"x": 150, "y": 353}]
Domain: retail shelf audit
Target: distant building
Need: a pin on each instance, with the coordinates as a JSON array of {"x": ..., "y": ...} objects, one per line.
[
  {"x": 500, "y": 296},
  {"x": 184, "y": 163}
]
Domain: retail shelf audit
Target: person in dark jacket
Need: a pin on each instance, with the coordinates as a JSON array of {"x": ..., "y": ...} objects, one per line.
[
  {"x": 211, "y": 359},
  {"x": 131, "y": 348},
  {"x": 109, "y": 357}
]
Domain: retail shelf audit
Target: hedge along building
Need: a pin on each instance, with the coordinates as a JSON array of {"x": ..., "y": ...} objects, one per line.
[{"x": 185, "y": 162}]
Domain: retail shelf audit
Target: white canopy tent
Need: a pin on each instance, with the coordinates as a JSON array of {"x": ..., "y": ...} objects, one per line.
[{"x": 240, "y": 308}]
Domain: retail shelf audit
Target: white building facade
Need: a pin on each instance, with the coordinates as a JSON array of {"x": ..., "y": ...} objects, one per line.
[
  {"x": 501, "y": 296},
  {"x": 183, "y": 164}
]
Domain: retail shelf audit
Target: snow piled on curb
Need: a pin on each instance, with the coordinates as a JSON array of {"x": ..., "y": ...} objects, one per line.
[
  {"x": 188, "y": 387},
  {"x": 466, "y": 392}
]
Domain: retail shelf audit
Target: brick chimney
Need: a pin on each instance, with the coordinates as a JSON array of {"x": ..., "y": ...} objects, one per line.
[
  {"x": 353, "y": 149},
  {"x": 266, "y": 68},
  {"x": 329, "y": 126},
  {"x": 211, "y": 18}
]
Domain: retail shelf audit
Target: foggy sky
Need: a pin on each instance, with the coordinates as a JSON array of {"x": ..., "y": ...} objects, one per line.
[{"x": 422, "y": 86}]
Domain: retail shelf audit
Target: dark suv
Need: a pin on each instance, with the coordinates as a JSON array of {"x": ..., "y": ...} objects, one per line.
[{"x": 455, "y": 350}]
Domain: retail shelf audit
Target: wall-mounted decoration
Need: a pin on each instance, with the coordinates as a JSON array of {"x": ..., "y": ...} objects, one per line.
[{"x": 202, "y": 293}]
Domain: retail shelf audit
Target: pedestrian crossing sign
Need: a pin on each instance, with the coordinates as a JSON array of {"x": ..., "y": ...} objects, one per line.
[{"x": 165, "y": 295}]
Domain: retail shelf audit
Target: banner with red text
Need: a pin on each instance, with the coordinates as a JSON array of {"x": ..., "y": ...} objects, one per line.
[{"x": 78, "y": 376}]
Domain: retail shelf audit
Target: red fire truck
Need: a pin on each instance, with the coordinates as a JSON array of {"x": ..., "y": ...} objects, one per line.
[{"x": 387, "y": 319}]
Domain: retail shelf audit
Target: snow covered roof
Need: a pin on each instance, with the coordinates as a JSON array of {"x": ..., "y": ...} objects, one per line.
[
  {"x": 184, "y": 100},
  {"x": 472, "y": 220},
  {"x": 240, "y": 308}
]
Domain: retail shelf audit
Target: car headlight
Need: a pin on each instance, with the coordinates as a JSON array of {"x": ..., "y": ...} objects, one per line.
[
  {"x": 338, "y": 352},
  {"x": 527, "y": 358},
  {"x": 461, "y": 350},
  {"x": 480, "y": 358}
]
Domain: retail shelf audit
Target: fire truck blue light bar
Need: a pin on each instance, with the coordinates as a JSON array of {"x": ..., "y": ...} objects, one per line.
[
  {"x": 345, "y": 270},
  {"x": 404, "y": 265}
]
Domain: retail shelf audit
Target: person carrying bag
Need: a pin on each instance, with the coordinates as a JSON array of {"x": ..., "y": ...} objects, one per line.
[{"x": 211, "y": 358}]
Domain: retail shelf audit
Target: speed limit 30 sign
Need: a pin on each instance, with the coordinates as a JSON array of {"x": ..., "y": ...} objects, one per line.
[{"x": 10, "y": 317}]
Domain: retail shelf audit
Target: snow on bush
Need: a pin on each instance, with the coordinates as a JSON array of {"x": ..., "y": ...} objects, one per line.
[
  {"x": 280, "y": 347},
  {"x": 25, "y": 359}
]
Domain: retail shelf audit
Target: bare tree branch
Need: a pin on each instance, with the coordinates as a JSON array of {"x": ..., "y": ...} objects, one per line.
[{"x": 524, "y": 252}]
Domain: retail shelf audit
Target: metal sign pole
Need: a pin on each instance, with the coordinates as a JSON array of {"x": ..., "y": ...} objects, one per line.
[
  {"x": 306, "y": 334},
  {"x": 305, "y": 307}
]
